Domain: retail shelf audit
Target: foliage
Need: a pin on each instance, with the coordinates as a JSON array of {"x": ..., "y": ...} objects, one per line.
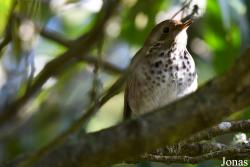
[{"x": 215, "y": 41}]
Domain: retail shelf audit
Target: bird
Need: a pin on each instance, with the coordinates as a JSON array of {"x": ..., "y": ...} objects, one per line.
[{"x": 163, "y": 70}]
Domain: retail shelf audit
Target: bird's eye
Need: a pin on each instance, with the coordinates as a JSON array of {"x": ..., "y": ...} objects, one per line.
[{"x": 165, "y": 30}]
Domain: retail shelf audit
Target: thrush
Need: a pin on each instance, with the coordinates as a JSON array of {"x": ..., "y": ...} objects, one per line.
[{"x": 163, "y": 70}]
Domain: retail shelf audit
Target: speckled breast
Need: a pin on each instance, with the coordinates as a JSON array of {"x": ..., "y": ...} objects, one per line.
[{"x": 164, "y": 77}]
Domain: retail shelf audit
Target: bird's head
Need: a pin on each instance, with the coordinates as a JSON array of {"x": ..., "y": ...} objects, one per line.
[{"x": 169, "y": 31}]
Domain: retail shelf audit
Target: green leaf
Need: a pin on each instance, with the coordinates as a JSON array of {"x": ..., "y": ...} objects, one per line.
[{"x": 5, "y": 6}]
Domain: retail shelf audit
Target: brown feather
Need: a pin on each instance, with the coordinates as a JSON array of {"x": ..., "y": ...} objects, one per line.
[
  {"x": 152, "y": 85},
  {"x": 130, "y": 87}
]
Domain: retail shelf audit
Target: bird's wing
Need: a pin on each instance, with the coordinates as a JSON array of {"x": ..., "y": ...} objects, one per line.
[{"x": 130, "y": 90}]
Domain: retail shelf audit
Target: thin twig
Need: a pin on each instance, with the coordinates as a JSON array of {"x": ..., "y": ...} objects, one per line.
[
  {"x": 112, "y": 91},
  {"x": 243, "y": 153},
  {"x": 190, "y": 149},
  {"x": 107, "y": 66},
  {"x": 56, "y": 66},
  {"x": 218, "y": 130},
  {"x": 56, "y": 37},
  {"x": 191, "y": 15},
  {"x": 192, "y": 145},
  {"x": 184, "y": 6}
]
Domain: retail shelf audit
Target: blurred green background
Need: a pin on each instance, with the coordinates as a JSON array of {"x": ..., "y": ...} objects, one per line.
[{"x": 218, "y": 36}]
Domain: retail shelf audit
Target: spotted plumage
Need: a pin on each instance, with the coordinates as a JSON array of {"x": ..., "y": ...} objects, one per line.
[{"x": 164, "y": 70}]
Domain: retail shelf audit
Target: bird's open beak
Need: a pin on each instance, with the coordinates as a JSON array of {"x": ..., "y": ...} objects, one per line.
[{"x": 186, "y": 24}]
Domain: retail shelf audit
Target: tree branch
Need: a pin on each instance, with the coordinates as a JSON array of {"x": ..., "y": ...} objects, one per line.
[
  {"x": 112, "y": 91},
  {"x": 233, "y": 153},
  {"x": 220, "y": 129},
  {"x": 54, "y": 36},
  {"x": 185, "y": 5},
  {"x": 190, "y": 149},
  {"x": 166, "y": 126},
  {"x": 107, "y": 66},
  {"x": 81, "y": 46},
  {"x": 185, "y": 150},
  {"x": 194, "y": 145}
]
